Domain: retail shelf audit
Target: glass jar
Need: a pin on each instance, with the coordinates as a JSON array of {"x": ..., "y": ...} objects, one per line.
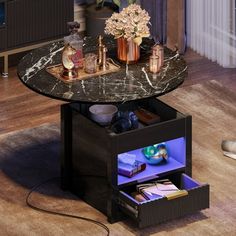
[{"x": 90, "y": 63}]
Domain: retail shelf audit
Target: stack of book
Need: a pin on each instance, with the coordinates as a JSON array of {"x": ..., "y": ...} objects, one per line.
[
  {"x": 128, "y": 165},
  {"x": 158, "y": 189}
]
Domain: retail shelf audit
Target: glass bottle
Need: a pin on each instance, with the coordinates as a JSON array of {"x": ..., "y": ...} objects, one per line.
[{"x": 76, "y": 42}]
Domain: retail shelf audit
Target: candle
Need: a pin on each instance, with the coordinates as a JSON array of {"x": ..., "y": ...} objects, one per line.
[
  {"x": 158, "y": 50},
  {"x": 154, "y": 64}
]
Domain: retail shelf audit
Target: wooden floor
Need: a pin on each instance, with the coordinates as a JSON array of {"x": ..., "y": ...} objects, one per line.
[{"x": 21, "y": 108}]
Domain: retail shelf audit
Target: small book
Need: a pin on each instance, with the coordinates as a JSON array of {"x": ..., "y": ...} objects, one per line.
[
  {"x": 160, "y": 189},
  {"x": 130, "y": 170},
  {"x": 139, "y": 196},
  {"x": 147, "y": 117}
]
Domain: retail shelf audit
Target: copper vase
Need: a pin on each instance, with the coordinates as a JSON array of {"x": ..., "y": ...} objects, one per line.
[{"x": 127, "y": 51}]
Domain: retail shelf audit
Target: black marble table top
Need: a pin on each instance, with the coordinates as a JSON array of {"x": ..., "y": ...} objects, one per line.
[{"x": 132, "y": 82}]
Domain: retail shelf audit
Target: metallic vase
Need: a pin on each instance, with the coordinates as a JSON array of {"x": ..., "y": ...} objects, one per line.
[{"x": 127, "y": 51}]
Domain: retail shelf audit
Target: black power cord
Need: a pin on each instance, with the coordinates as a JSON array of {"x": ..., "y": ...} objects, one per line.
[{"x": 59, "y": 213}]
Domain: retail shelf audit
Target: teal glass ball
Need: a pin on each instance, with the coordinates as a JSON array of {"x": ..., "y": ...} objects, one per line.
[{"x": 155, "y": 154}]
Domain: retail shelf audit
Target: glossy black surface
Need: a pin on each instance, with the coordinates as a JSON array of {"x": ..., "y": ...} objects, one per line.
[{"x": 130, "y": 83}]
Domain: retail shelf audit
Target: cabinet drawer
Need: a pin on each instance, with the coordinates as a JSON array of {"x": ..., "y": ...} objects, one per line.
[
  {"x": 152, "y": 212},
  {"x": 173, "y": 125},
  {"x": 151, "y": 134}
]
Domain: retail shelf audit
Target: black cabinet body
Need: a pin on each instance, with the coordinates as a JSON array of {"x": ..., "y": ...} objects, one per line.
[
  {"x": 89, "y": 163},
  {"x": 29, "y": 22}
]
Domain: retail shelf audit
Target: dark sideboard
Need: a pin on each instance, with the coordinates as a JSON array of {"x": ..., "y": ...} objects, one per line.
[{"x": 24, "y": 23}]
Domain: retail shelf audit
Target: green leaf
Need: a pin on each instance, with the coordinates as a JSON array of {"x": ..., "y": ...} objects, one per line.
[
  {"x": 131, "y": 1},
  {"x": 117, "y": 2}
]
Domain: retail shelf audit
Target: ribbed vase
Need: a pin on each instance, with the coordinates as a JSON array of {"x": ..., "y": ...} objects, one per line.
[{"x": 127, "y": 51}]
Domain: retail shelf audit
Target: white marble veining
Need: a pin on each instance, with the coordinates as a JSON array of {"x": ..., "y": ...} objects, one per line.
[
  {"x": 40, "y": 64},
  {"x": 130, "y": 83}
]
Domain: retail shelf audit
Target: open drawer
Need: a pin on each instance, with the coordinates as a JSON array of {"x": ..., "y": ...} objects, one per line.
[{"x": 151, "y": 212}]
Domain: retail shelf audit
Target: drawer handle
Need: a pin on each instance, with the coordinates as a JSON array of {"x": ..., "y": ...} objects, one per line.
[{"x": 177, "y": 194}]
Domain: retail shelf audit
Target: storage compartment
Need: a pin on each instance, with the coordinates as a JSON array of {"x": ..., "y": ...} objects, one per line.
[
  {"x": 172, "y": 125},
  {"x": 156, "y": 211},
  {"x": 153, "y": 105},
  {"x": 175, "y": 161}
]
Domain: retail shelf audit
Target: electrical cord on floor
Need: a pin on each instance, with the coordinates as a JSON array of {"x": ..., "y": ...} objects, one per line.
[{"x": 59, "y": 213}]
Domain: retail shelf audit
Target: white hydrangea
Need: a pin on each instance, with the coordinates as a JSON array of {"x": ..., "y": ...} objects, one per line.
[{"x": 131, "y": 23}]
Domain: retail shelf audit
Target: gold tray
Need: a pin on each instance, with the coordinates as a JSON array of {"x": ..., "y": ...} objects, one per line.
[{"x": 57, "y": 70}]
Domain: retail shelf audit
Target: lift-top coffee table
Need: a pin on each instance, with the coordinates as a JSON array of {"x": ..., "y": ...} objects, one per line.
[{"x": 89, "y": 153}]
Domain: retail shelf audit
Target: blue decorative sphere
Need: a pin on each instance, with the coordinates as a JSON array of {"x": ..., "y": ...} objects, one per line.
[{"x": 155, "y": 154}]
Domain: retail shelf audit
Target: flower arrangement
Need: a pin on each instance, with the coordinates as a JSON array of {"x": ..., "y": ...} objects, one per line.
[{"x": 131, "y": 23}]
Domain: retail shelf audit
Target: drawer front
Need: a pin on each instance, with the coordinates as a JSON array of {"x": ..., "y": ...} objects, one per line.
[
  {"x": 160, "y": 210},
  {"x": 152, "y": 134}
]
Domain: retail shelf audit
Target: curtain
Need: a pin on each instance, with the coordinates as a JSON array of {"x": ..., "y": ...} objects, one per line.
[
  {"x": 211, "y": 30},
  {"x": 158, "y": 13},
  {"x": 167, "y": 22},
  {"x": 176, "y": 36}
]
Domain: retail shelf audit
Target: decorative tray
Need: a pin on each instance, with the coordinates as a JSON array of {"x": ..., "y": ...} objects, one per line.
[{"x": 57, "y": 70}]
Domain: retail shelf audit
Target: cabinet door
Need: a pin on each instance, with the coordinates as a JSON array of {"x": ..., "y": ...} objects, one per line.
[{"x": 32, "y": 21}]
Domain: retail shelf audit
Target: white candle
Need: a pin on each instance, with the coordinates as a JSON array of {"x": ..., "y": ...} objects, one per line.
[{"x": 154, "y": 64}]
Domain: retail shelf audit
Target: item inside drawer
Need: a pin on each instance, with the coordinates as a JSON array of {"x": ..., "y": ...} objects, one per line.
[
  {"x": 149, "y": 162},
  {"x": 147, "y": 117},
  {"x": 119, "y": 119},
  {"x": 170, "y": 187},
  {"x": 148, "y": 112}
]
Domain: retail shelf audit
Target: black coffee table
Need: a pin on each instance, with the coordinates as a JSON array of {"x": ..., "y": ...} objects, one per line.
[{"x": 89, "y": 151}]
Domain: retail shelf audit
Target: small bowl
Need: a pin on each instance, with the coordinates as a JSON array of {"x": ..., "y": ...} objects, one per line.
[{"x": 102, "y": 114}]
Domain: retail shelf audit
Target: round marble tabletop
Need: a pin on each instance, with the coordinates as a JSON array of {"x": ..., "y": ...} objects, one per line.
[{"x": 129, "y": 83}]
